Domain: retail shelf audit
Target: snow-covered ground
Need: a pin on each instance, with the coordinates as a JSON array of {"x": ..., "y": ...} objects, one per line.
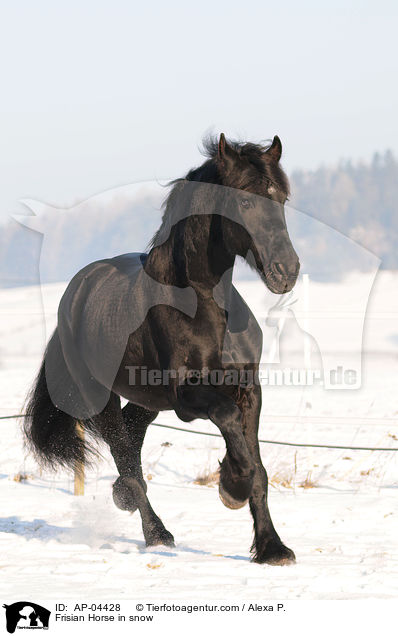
[{"x": 336, "y": 508}]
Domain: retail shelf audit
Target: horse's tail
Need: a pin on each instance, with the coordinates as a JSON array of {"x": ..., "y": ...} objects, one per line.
[{"x": 50, "y": 432}]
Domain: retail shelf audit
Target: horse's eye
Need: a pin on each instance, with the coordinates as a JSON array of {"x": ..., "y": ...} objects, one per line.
[{"x": 245, "y": 203}]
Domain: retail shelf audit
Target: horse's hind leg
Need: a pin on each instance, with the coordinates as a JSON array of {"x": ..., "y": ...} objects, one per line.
[
  {"x": 137, "y": 420},
  {"x": 114, "y": 431}
]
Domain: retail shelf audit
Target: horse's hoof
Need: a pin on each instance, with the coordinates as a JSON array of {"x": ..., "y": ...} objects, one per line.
[
  {"x": 234, "y": 488},
  {"x": 228, "y": 501},
  {"x": 160, "y": 537},
  {"x": 123, "y": 496},
  {"x": 274, "y": 553},
  {"x": 123, "y": 500}
]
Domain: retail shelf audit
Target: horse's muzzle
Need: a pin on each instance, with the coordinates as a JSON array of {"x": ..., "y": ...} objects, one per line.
[{"x": 280, "y": 278}]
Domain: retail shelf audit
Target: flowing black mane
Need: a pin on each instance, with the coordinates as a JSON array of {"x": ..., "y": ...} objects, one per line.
[
  {"x": 248, "y": 153},
  {"x": 253, "y": 170}
]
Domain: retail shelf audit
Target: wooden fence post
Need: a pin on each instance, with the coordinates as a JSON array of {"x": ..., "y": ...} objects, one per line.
[{"x": 79, "y": 470}]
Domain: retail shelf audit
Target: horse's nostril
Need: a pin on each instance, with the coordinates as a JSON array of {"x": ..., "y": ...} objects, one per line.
[{"x": 278, "y": 269}]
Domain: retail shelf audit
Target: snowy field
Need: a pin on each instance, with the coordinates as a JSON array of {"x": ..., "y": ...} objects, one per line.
[{"x": 337, "y": 509}]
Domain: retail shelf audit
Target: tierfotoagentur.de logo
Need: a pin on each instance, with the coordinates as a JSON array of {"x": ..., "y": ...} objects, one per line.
[{"x": 26, "y": 615}]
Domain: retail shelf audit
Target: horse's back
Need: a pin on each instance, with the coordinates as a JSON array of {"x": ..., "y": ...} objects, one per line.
[{"x": 122, "y": 270}]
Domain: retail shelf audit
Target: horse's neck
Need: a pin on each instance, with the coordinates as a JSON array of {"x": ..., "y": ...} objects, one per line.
[{"x": 195, "y": 258}]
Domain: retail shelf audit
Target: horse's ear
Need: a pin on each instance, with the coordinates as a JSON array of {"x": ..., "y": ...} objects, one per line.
[
  {"x": 275, "y": 149},
  {"x": 225, "y": 151}
]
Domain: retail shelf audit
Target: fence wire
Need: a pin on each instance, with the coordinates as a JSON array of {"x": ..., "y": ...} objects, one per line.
[{"x": 261, "y": 441}]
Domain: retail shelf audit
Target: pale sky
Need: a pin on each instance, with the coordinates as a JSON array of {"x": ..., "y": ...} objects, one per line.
[{"x": 98, "y": 94}]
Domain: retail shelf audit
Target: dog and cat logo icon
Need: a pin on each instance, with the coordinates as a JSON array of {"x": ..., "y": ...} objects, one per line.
[{"x": 26, "y": 615}]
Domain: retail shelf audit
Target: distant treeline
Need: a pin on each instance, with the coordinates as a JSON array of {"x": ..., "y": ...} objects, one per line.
[{"x": 360, "y": 201}]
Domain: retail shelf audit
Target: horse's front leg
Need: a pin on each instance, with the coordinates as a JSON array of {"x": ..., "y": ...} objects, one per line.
[
  {"x": 267, "y": 546},
  {"x": 237, "y": 467}
]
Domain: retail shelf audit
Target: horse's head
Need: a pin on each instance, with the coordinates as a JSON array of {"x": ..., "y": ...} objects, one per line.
[{"x": 258, "y": 232}]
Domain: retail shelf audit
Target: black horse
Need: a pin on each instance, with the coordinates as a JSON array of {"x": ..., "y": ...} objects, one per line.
[{"x": 174, "y": 314}]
